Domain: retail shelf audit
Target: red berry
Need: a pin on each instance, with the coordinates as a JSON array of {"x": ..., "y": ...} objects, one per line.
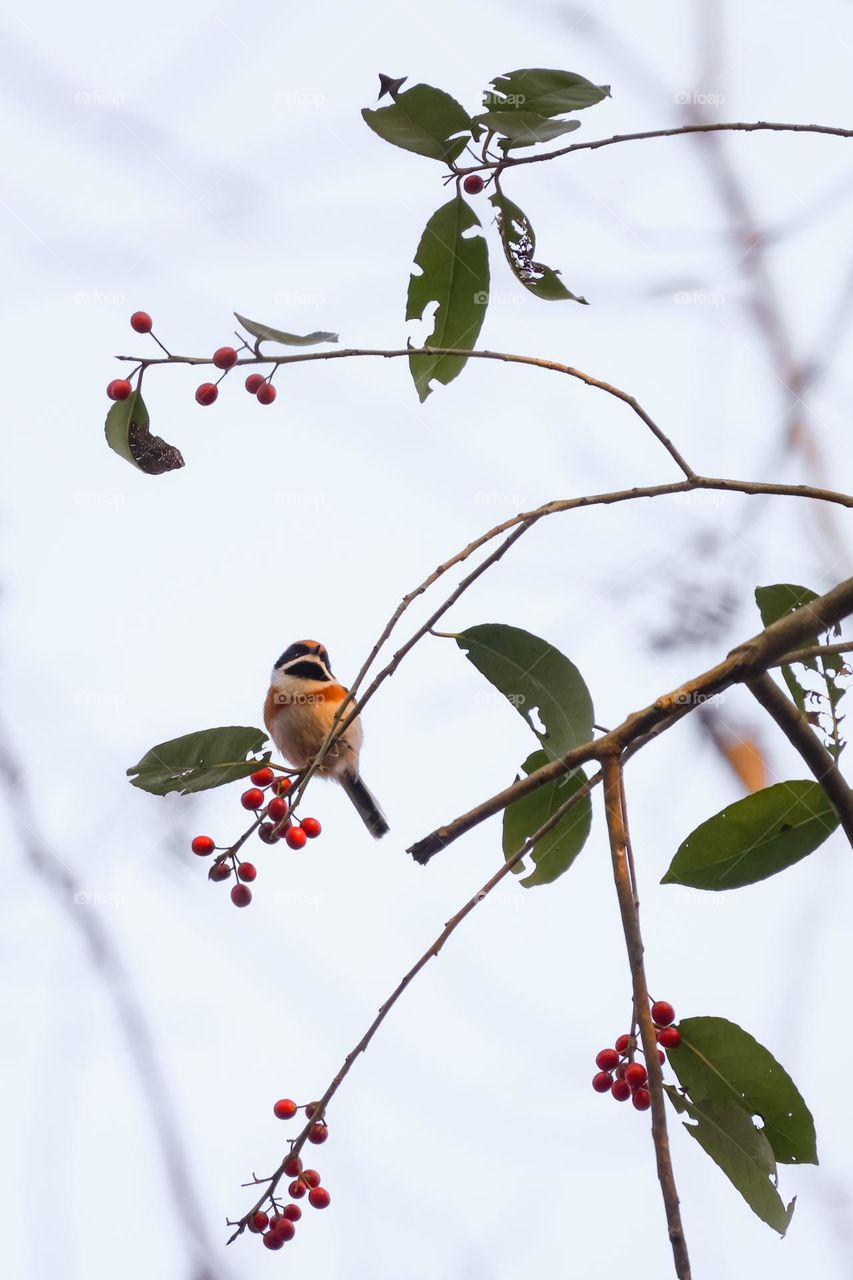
[
  {"x": 273, "y": 1240},
  {"x": 312, "y": 1177},
  {"x": 262, "y": 777},
  {"x": 219, "y": 871},
  {"x": 141, "y": 322},
  {"x": 310, "y": 1108},
  {"x": 266, "y": 393},
  {"x": 607, "y": 1059},
  {"x": 252, "y": 799},
  {"x": 670, "y": 1037},
  {"x": 241, "y": 895},
  {"x": 635, "y": 1075},
  {"x": 621, "y": 1090},
  {"x": 622, "y": 1043},
  {"x": 297, "y": 1189},
  {"x": 295, "y": 837},
  {"x": 253, "y": 381},
  {"x": 277, "y": 809},
  {"x": 293, "y": 1167},
  {"x": 283, "y": 1227},
  {"x": 642, "y": 1099},
  {"x": 267, "y": 833},
  {"x": 661, "y": 1057},
  {"x": 119, "y": 389},
  {"x": 285, "y": 1109},
  {"x": 206, "y": 393},
  {"x": 202, "y": 845},
  {"x": 318, "y": 1132},
  {"x": 246, "y": 871},
  {"x": 473, "y": 184},
  {"x": 311, "y": 827},
  {"x": 258, "y": 1222},
  {"x": 281, "y": 785},
  {"x": 319, "y": 1197},
  {"x": 602, "y": 1081},
  {"x": 293, "y": 1212},
  {"x": 225, "y": 358},
  {"x": 662, "y": 1013}
]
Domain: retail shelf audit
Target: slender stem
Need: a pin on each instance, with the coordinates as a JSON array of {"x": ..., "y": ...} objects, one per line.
[
  {"x": 628, "y": 909},
  {"x": 815, "y": 651}
]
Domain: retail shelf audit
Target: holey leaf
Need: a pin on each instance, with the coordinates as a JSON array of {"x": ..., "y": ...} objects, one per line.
[
  {"x": 536, "y": 679},
  {"x": 755, "y": 837},
  {"x": 519, "y": 245},
  {"x": 128, "y": 434},
  {"x": 424, "y": 120},
  {"x": 557, "y": 850},
  {"x": 454, "y": 273},
  {"x": 726, "y": 1133},
  {"x": 543, "y": 92},
  {"x": 717, "y": 1060},
  {"x": 524, "y": 128},
  {"x": 264, "y": 333},
  {"x": 199, "y": 761},
  {"x": 774, "y": 602}
]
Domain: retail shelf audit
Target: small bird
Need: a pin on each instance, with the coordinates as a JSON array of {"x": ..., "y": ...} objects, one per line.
[{"x": 301, "y": 703}]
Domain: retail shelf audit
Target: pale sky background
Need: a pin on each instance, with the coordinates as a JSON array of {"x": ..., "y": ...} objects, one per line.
[{"x": 198, "y": 159}]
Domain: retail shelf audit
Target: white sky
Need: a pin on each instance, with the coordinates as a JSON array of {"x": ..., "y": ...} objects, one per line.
[{"x": 199, "y": 159}]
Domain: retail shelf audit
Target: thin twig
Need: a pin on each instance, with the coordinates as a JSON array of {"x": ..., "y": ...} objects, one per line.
[{"x": 815, "y": 651}]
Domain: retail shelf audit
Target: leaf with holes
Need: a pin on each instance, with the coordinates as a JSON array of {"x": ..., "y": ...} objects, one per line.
[
  {"x": 128, "y": 435},
  {"x": 264, "y": 333},
  {"x": 424, "y": 120},
  {"x": 557, "y": 850},
  {"x": 519, "y": 245},
  {"x": 755, "y": 837},
  {"x": 199, "y": 761},
  {"x": 454, "y": 273},
  {"x": 774, "y": 602},
  {"x": 524, "y": 128},
  {"x": 726, "y": 1133},
  {"x": 720, "y": 1061},
  {"x": 544, "y": 92}
]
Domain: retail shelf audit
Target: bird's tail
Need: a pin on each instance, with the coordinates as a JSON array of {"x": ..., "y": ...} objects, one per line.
[{"x": 371, "y": 815}]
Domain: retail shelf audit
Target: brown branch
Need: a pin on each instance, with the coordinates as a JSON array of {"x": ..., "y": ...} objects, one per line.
[
  {"x": 617, "y": 832},
  {"x": 742, "y": 664},
  {"x": 799, "y": 733},
  {"x": 815, "y": 651}
]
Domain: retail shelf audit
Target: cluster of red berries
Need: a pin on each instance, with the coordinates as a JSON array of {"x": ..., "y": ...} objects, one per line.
[
  {"x": 276, "y": 1228},
  {"x": 207, "y": 393},
  {"x": 618, "y": 1073},
  {"x": 276, "y": 822}
]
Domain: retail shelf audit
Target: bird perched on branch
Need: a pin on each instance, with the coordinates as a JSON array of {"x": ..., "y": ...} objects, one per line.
[{"x": 300, "y": 706}]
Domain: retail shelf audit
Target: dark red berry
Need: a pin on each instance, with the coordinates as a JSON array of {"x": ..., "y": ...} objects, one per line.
[
  {"x": 661, "y": 1057},
  {"x": 247, "y": 871},
  {"x": 473, "y": 184},
  {"x": 281, "y": 785},
  {"x": 241, "y": 895},
  {"x": 119, "y": 389},
  {"x": 141, "y": 322},
  {"x": 283, "y": 1227},
  {"x": 318, "y": 1133},
  {"x": 635, "y": 1075},
  {"x": 206, "y": 393},
  {"x": 277, "y": 809},
  {"x": 266, "y": 393},
  {"x": 621, "y": 1090},
  {"x": 319, "y": 1197},
  {"x": 258, "y": 1222},
  {"x": 203, "y": 845},
  {"x": 253, "y": 381},
  {"x": 285, "y": 1109},
  {"x": 295, "y": 837},
  {"x": 273, "y": 1240},
  {"x": 252, "y": 799},
  {"x": 602, "y": 1081},
  {"x": 219, "y": 871},
  {"x": 607, "y": 1059},
  {"x": 670, "y": 1037},
  {"x": 262, "y": 777},
  {"x": 293, "y": 1212},
  {"x": 662, "y": 1013},
  {"x": 312, "y": 1177},
  {"x": 267, "y": 832},
  {"x": 642, "y": 1099},
  {"x": 310, "y": 1108},
  {"x": 225, "y": 358},
  {"x": 297, "y": 1189},
  {"x": 622, "y": 1043},
  {"x": 311, "y": 827},
  {"x": 293, "y": 1167}
]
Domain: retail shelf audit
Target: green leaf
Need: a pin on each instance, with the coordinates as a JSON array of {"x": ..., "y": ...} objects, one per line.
[
  {"x": 534, "y": 677},
  {"x": 424, "y": 120},
  {"x": 264, "y": 333},
  {"x": 557, "y": 850},
  {"x": 774, "y": 602},
  {"x": 543, "y": 92},
  {"x": 455, "y": 274},
  {"x": 726, "y": 1133},
  {"x": 525, "y": 128},
  {"x": 719, "y": 1061},
  {"x": 199, "y": 761},
  {"x": 755, "y": 837},
  {"x": 519, "y": 245},
  {"x": 128, "y": 434}
]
